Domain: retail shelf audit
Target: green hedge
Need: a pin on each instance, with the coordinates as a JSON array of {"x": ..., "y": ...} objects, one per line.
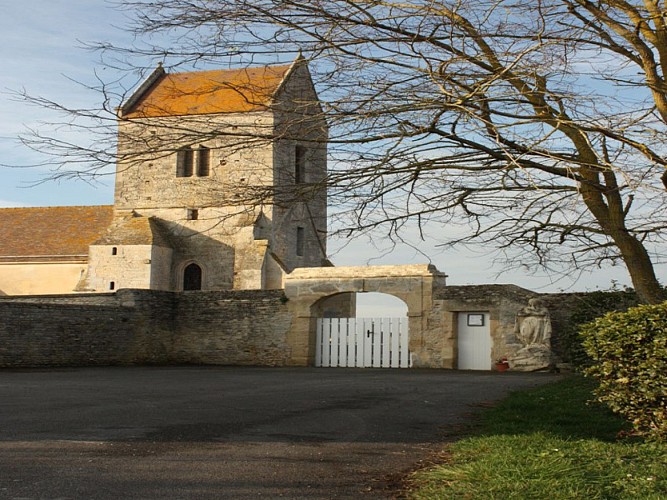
[{"x": 628, "y": 351}]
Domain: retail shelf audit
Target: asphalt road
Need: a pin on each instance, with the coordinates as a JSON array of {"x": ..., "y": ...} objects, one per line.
[{"x": 211, "y": 432}]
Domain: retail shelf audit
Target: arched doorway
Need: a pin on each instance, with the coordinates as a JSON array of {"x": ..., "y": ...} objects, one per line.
[
  {"x": 376, "y": 337},
  {"x": 192, "y": 277},
  {"x": 414, "y": 284}
]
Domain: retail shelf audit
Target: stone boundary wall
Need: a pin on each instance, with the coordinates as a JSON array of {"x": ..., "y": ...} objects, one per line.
[
  {"x": 504, "y": 301},
  {"x": 568, "y": 310},
  {"x": 145, "y": 327},
  {"x": 244, "y": 327}
]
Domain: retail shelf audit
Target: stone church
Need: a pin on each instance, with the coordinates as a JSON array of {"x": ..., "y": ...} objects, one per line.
[{"x": 219, "y": 186}]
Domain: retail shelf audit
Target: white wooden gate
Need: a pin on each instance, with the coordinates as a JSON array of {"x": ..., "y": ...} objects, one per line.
[{"x": 362, "y": 342}]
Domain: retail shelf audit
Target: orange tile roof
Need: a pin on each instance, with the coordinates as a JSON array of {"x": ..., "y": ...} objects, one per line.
[
  {"x": 205, "y": 92},
  {"x": 51, "y": 231},
  {"x": 136, "y": 230}
]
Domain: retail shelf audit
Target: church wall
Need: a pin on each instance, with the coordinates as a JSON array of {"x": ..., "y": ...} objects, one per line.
[
  {"x": 285, "y": 241},
  {"x": 250, "y": 155},
  {"x": 161, "y": 262},
  {"x": 273, "y": 274},
  {"x": 149, "y": 180},
  {"x": 129, "y": 267},
  {"x": 31, "y": 278},
  {"x": 249, "y": 263},
  {"x": 208, "y": 242},
  {"x": 223, "y": 200}
]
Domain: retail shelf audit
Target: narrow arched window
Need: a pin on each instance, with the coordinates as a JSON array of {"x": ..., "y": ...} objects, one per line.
[
  {"x": 299, "y": 165},
  {"x": 300, "y": 241},
  {"x": 192, "y": 277},
  {"x": 203, "y": 161},
  {"x": 184, "y": 162}
]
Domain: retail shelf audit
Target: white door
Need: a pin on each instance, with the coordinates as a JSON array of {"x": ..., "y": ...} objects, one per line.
[{"x": 474, "y": 341}]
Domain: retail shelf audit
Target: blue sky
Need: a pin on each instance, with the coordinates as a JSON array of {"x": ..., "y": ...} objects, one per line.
[{"x": 42, "y": 53}]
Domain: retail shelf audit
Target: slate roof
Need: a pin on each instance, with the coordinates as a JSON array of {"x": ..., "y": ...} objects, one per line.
[
  {"x": 39, "y": 232},
  {"x": 205, "y": 92},
  {"x": 135, "y": 230}
]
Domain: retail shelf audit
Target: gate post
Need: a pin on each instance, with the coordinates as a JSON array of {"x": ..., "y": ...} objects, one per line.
[{"x": 301, "y": 335}]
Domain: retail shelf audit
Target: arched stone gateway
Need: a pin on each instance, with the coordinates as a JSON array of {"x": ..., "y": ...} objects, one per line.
[{"x": 306, "y": 289}]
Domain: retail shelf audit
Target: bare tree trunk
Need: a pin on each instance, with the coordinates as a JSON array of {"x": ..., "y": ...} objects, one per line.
[
  {"x": 611, "y": 217},
  {"x": 601, "y": 194},
  {"x": 640, "y": 267}
]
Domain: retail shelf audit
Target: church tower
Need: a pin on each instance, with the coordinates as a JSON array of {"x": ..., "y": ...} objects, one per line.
[{"x": 220, "y": 182}]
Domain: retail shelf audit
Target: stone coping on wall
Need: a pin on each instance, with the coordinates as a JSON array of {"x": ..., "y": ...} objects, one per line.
[
  {"x": 126, "y": 295},
  {"x": 488, "y": 292},
  {"x": 319, "y": 273}
]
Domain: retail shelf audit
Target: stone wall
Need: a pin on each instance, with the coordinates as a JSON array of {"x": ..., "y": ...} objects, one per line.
[
  {"x": 568, "y": 310},
  {"x": 264, "y": 328},
  {"x": 238, "y": 327},
  {"x": 145, "y": 327},
  {"x": 501, "y": 301}
]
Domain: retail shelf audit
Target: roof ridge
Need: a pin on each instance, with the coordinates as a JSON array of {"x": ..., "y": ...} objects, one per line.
[
  {"x": 231, "y": 70},
  {"x": 57, "y": 206},
  {"x": 156, "y": 75}
]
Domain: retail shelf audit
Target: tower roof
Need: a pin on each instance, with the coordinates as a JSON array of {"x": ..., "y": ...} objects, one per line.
[{"x": 205, "y": 92}]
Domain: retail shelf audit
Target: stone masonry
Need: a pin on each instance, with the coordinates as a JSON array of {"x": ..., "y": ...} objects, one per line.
[
  {"x": 247, "y": 327},
  {"x": 145, "y": 327}
]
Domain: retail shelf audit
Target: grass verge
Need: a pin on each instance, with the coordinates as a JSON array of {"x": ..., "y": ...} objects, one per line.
[{"x": 548, "y": 442}]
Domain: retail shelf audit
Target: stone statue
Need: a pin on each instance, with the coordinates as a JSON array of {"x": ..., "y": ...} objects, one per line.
[
  {"x": 533, "y": 330},
  {"x": 533, "y": 324}
]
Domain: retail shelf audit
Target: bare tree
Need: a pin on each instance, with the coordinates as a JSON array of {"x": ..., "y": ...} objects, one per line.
[{"x": 539, "y": 125}]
